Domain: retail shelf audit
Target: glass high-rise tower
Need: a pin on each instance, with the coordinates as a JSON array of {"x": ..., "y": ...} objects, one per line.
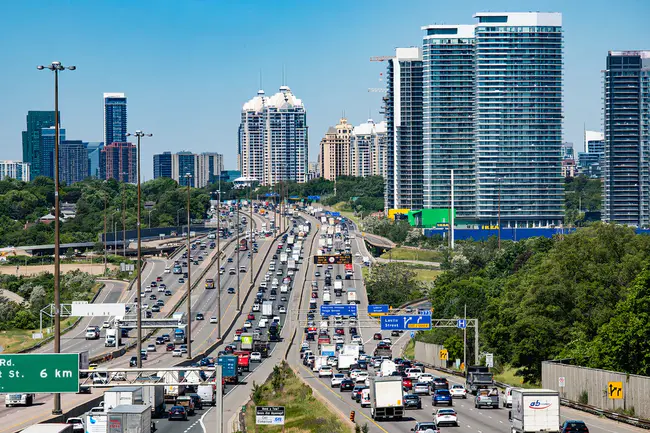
[
  {"x": 114, "y": 118},
  {"x": 626, "y": 167},
  {"x": 36, "y": 121}
]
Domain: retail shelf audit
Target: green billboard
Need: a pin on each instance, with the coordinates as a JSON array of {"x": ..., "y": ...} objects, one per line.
[{"x": 39, "y": 373}]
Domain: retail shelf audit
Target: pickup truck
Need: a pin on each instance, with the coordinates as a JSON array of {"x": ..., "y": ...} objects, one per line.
[{"x": 487, "y": 398}]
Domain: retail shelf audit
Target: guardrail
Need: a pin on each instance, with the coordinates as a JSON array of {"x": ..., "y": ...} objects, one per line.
[{"x": 637, "y": 422}]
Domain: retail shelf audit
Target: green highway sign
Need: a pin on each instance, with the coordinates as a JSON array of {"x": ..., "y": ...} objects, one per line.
[{"x": 39, "y": 373}]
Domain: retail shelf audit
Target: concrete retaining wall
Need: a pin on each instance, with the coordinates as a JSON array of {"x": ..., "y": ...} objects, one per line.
[
  {"x": 594, "y": 382},
  {"x": 429, "y": 354}
]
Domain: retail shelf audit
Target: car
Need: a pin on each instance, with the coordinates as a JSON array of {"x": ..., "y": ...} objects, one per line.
[
  {"x": 356, "y": 392},
  {"x": 325, "y": 371},
  {"x": 440, "y": 383},
  {"x": 181, "y": 280},
  {"x": 421, "y": 427},
  {"x": 361, "y": 376},
  {"x": 256, "y": 307},
  {"x": 248, "y": 324},
  {"x": 442, "y": 396},
  {"x": 231, "y": 290},
  {"x": 377, "y": 336},
  {"x": 387, "y": 341},
  {"x": 133, "y": 361},
  {"x": 177, "y": 353},
  {"x": 170, "y": 347},
  {"x": 106, "y": 324},
  {"x": 574, "y": 426},
  {"x": 177, "y": 412},
  {"x": 354, "y": 373},
  {"x": 77, "y": 424},
  {"x": 168, "y": 292},
  {"x": 394, "y": 333},
  {"x": 155, "y": 309},
  {"x": 184, "y": 348},
  {"x": 256, "y": 357},
  {"x": 458, "y": 391},
  {"x": 446, "y": 417},
  {"x": 199, "y": 316},
  {"x": 421, "y": 388},
  {"x": 151, "y": 348},
  {"x": 426, "y": 377},
  {"x": 356, "y": 339},
  {"x": 317, "y": 274},
  {"x": 160, "y": 340},
  {"x": 282, "y": 309},
  {"x": 214, "y": 319},
  {"x": 412, "y": 401},
  {"x": 166, "y": 337},
  {"x": 336, "y": 379},
  {"x": 346, "y": 385}
]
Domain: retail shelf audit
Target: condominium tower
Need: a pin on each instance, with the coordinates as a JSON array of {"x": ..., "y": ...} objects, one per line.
[
  {"x": 335, "y": 151},
  {"x": 119, "y": 161},
  {"x": 204, "y": 168},
  {"x": 273, "y": 138},
  {"x": 114, "y": 118},
  {"x": 15, "y": 170},
  {"x": 36, "y": 121},
  {"x": 626, "y": 167},
  {"x": 368, "y": 149},
  {"x": 403, "y": 111}
]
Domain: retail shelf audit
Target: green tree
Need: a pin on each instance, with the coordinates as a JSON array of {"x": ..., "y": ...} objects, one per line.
[{"x": 392, "y": 284}]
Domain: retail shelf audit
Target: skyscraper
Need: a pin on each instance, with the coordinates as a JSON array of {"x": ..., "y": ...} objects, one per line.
[
  {"x": 94, "y": 150},
  {"x": 335, "y": 151},
  {"x": 119, "y": 161},
  {"x": 162, "y": 165},
  {"x": 209, "y": 166},
  {"x": 184, "y": 163},
  {"x": 114, "y": 118},
  {"x": 47, "y": 150},
  {"x": 15, "y": 170},
  {"x": 36, "y": 121},
  {"x": 626, "y": 167},
  {"x": 403, "y": 110},
  {"x": 273, "y": 138},
  {"x": 448, "y": 126},
  {"x": 73, "y": 161},
  {"x": 368, "y": 149},
  {"x": 519, "y": 118}
]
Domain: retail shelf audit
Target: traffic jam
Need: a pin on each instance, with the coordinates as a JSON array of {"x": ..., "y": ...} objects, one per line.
[{"x": 335, "y": 350}]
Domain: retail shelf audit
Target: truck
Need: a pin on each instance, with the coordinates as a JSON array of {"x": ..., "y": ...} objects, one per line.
[
  {"x": 327, "y": 298},
  {"x": 386, "y": 397},
  {"x": 155, "y": 397},
  {"x": 228, "y": 365},
  {"x": 351, "y": 349},
  {"x": 388, "y": 367},
  {"x": 121, "y": 395},
  {"x": 181, "y": 318},
  {"x": 49, "y": 428},
  {"x": 84, "y": 362},
  {"x": 383, "y": 351},
  {"x": 535, "y": 410},
  {"x": 246, "y": 341},
  {"x": 291, "y": 264},
  {"x": 478, "y": 377},
  {"x": 352, "y": 296},
  {"x": 170, "y": 392},
  {"x": 179, "y": 335},
  {"x": 130, "y": 419},
  {"x": 344, "y": 362},
  {"x": 19, "y": 399},
  {"x": 96, "y": 422},
  {"x": 243, "y": 360},
  {"x": 487, "y": 398},
  {"x": 283, "y": 258},
  {"x": 262, "y": 347},
  {"x": 338, "y": 285},
  {"x": 319, "y": 361},
  {"x": 267, "y": 308},
  {"x": 328, "y": 350},
  {"x": 112, "y": 338}
]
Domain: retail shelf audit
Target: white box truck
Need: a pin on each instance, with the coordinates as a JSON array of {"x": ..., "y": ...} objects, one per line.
[
  {"x": 122, "y": 395},
  {"x": 96, "y": 422},
  {"x": 155, "y": 397},
  {"x": 112, "y": 338},
  {"x": 267, "y": 308},
  {"x": 388, "y": 367},
  {"x": 344, "y": 362},
  {"x": 352, "y": 297},
  {"x": 170, "y": 392},
  {"x": 129, "y": 419},
  {"x": 327, "y": 298},
  {"x": 535, "y": 410},
  {"x": 386, "y": 397},
  {"x": 283, "y": 258},
  {"x": 338, "y": 285}
]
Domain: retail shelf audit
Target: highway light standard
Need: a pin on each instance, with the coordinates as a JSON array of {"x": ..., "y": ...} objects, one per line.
[
  {"x": 139, "y": 135},
  {"x": 188, "y": 180},
  {"x": 56, "y": 67},
  {"x": 218, "y": 262}
]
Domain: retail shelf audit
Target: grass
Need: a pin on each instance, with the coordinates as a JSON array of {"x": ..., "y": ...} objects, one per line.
[
  {"x": 341, "y": 207},
  {"x": 409, "y": 349},
  {"x": 413, "y": 254},
  {"x": 426, "y": 274},
  {"x": 303, "y": 412},
  {"x": 508, "y": 376},
  {"x": 15, "y": 340}
]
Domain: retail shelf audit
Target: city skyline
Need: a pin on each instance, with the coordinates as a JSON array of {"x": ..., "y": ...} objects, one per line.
[{"x": 326, "y": 91}]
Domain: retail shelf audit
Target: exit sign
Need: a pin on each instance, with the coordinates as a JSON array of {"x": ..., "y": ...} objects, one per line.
[{"x": 39, "y": 373}]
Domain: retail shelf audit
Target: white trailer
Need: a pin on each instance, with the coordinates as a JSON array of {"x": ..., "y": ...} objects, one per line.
[
  {"x": 122, "y": 395},
  {"x": 386, "y": 397},
  {"x": 535, "y": 410}
]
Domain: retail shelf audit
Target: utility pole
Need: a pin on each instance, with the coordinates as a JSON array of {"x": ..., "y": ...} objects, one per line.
[
  {"x": 250, "y": 205},
  {"x": 237, "y": 248},
  {"x": 451, "y": 217},
  {"x": 465, "y": 341},
  {"x": 105, "y": 253},
  {"x": 188, "y": 178},
  {"x": 123, "y": 216},
  {"x": 139, "y": 134},
  {"x": 219, "y": 262},
  {"x": 56, "y": 67}
]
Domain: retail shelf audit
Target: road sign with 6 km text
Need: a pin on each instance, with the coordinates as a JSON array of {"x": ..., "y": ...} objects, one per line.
[{"x": 39, "y": 373}]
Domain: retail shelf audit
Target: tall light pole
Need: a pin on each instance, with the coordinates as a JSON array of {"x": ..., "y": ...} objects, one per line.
[
  {"x": 139, "y": 134},
  {"x": 178, "y": 223},
  {"x": 105, "y": 251},
  {"x": 123, "y": 215},
  {"x": 238, "y": 252},
  {"x": 219, "y": 262},
  {"x": 56, "y": 67},
  {"x": 250, "y": 205},
  {"x": 152, "y": 210},
  {"x": 188, "y": 179}
]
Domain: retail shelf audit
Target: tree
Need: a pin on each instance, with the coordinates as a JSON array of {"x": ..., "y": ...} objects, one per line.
[
  {"x": 38, "y": 299},
  {"x": 392, "y": 284},
  {"x": 24, "y": 319}
]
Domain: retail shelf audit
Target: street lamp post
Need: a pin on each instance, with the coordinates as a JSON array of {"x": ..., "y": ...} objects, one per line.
[
  {"x": 56, "y": 67},
  {"x": 178, "y": 223},
  {"x": 139, "y": 134},
  {"x": 152, "y": 210},
  {"x": 250, "y": 205},
  {"x": 219, "y": 264},
  {"x": 237, "y": 247},
  {"x": 188, "y": 179}
]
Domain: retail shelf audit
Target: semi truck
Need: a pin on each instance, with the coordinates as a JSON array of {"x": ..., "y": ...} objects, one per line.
[
  {"x": 130, "y": 419},
  {"x": 179, "y": 335},
  {"x": 112, "y": 338},
  {"x": 154, "y": 396},
  {"x": 386, "y": 397},
  {"x": 170, "y": 392},
  {"x": 535, "y": 410}
]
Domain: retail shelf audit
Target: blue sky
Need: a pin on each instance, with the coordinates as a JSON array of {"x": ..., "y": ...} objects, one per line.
[{"x": 187, "y": 66}]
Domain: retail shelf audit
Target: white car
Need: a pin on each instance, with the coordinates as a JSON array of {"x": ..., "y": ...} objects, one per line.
[
  {"x": 290, "y": 272},
  {"x": 426, "y": 378},
  {"x": 339, "y": 340},
  {"x": 262, "y": 324},
  {"x": 148, "y": 290},
  {"x": 325, "y": 371},
  {"x": 387, "y": 341},
  {"x": 77, "y": 424},
  {"x": 256, "y": 307},
  {"x": 337, "y": 379},
  {"x": 264, "y": 284},
  {"x": 248, "y": 324},
  {"x": 338, "y": 302},
  {"x": 413, "y": 373},
  {"x": 457, "y": 391},
  {"x": 213, "y": 319},
  {"x": 354, "y": 373},
  {"x": 151, "y": 348},
  {"x": 446, "y": 417},
  {"x": 236, "y": 337},
  {"x": 256, "y": 357},
  {"x": 356, "y": 339},
  {"x": 282, "y": 309},
  {"x": 177, "y": 353},
  {"x": 161, "y": 289},
  {"x": 106, "y": 324},
  {"x": 267, "y": 277},
  {"x": 361, "y": 376},
  {"x": 119, "y": 376}
]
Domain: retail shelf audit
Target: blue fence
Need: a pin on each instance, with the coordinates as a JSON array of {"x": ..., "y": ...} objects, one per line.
[{"x": 511, "y": 234}]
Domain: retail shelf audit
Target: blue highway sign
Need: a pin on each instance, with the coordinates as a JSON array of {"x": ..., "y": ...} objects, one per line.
[
  {"x": 423, "y": 312},
  {"x": 377, "y": 310},
  {"x": 228, "y": 365},
  {"x": 462, "y": 323},
  {"x": 338, "y": 310},
  {"x": 405, "y": 323}
]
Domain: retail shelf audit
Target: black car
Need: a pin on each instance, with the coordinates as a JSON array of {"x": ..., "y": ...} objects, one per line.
[
  {"x": 166, "y": 338},
  {"x": 198, "y": 404},
  {"x": 229, "y": 259},
  {"x": 356, "y": 392},
  {"x": 152, "y": 297},
  {"x": 160, "y": 340},
  {"x": 412, "y": 401},
  {"x": 177, "y": 412},
  {"x": 199, "y": 316},
  {"x": 275, "y": 256},
  {"x": 148, "y": 314},
  {"x": 83, "y": 389},
  {"x": 363, "y": 365},
  {"x": 168, "y": 292},
  {"x": 394, "y": 334},
  {"x": 347, "y": 385},
  {"x": 574, "y": 426},
  {"x": 440, "y": 383},
  {"x": 133, "y": 362},
  {"x": 231, "y": 290}
]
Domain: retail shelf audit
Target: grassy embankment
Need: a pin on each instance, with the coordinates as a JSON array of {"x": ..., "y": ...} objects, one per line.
[
  {"x": 303, "y": 412},
  {"x": 417, "y": 254}
]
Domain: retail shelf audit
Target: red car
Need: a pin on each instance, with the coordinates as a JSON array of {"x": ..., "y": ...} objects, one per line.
[
  {"x": 251, "y": 316},
  {"x": 377, "y": 336},
  {"x": 339, "y": 331},
  {"x": 239, "y": 331},
  {"x": 170, "y": 347},
  {"x": 159, "y": 279},
  {"x": 407, "y": 383},
  {"x": 314, "y": 295}
]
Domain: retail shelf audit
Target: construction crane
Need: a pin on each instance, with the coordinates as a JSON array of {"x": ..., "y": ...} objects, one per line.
[
  {"x": 377, "y": 90},
  {"x": 381, "y": 58}
]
